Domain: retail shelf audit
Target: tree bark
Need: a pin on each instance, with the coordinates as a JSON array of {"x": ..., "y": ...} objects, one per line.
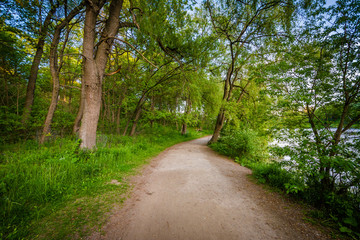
[
  {"x": 228, "y": 86},
  {"x": 79, "y": 115},
  {"x": 94, "y": 68},
  {"x": 218, "y": 126},
  {"x": 55, "y": 68},
  {"x": 188, "y": 110},
  {"x": 30, "y": 91},
  {"x": 152, "y": 109},
  {"x": 136, "y": 115},
  {"x": 119, "y": 104}
]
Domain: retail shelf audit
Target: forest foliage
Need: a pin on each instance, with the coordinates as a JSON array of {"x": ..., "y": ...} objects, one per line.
[{"x": 84, "y": 78}]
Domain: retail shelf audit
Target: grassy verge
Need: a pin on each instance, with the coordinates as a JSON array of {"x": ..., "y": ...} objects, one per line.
[{"x": 55, "y": 191}]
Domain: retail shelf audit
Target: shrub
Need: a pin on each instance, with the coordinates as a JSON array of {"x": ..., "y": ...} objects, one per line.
[{"x": 246, "y": 145}]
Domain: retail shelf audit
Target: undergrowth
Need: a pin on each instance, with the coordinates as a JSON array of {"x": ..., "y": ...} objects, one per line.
[
  {"x": 338, "y": 211},
  {"x": 56, "y": 191}
]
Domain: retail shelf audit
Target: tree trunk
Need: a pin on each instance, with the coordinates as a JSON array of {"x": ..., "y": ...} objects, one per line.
[
  {"x": 79, "y": 115},
  {"x": 218, "y": 126},
  {"x": 228, "y": 86},
  {"x": 55, "y": 68},
  {"x": 30, "y": 91},
  {"x": 152, "y": 109},
  {"x": 183, "y": 129},
  {"x": 122, "y": 96},
  {"x": 70, "y": 95},
  {"x": 94, "y": 68},
  {"x": 118, "y": 120},
  {"x": 126, "y": 127},
  {"x": 188, "y": 110},
  {"x": 136, "y": 114}
]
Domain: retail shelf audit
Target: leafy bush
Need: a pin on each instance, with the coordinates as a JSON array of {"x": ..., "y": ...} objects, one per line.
[
  {"x": 299, "y": 176},
  {"x": 245, "y": 145},
  {"x": 328, "y": 175}
]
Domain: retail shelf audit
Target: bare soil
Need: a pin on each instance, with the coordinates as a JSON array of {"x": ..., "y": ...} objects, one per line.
[{"x": 191, "y": 192}]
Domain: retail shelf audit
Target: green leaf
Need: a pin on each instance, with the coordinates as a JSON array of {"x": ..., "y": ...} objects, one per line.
[{"x": 345, "y": 230}]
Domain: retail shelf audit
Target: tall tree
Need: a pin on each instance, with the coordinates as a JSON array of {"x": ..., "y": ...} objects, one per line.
[
  {"x": 242, "y": 25},
  {"x": 55, "y": 66},
  {"x": 320, "y": 72},
  {"x": 42, "y": 33},
  {"x": 95, "y": 59}
]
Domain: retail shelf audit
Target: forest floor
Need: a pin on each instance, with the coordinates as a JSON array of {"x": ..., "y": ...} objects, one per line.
[{"x": 191, "y": 192}]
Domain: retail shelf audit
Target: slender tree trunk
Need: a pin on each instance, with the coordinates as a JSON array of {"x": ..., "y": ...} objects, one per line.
[
  {"x": 183, "y": 129},
  {"x": 6, "y": 87},
  {"x": 176, "y": 111},
  {"x": 79, "y": 115},
  {"x": 122, "y": 96},
  {"x": 126, "y": 127},
  {"x": 118, "y": 120},
  {"x": 94, "y": 68},
  {"x": 152, "y": 109},
  {"x": 55, "y": 68},
  {"x": 70, "y": 96},
  {"x": 188, "y": 110},
  {"x": 30, "y": 91},
  {"x": 326, "y": 183},
  {"x": 136, "y": 119},
  {"x": 51, "y": 111},
  {"x": 228, "y": 86},
  {"x": 17, "y": 99},
  {"x": 136, "y": 115},
  {"x": 218, "y": 126}
]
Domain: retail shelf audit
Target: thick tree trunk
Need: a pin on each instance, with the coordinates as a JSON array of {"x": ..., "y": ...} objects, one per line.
[
  {"x": 92, "y": 107},
  {"x": 90, "y": 81},
  {"x": 94, "y": 68},
  {"x": 30, "y": 91}
]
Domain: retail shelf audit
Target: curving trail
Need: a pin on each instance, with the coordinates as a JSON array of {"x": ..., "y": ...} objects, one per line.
[{"x": 190, "y": 192}]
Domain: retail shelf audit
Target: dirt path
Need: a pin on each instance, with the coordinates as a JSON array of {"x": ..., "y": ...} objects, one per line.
[{"x": 190, "y": 192}]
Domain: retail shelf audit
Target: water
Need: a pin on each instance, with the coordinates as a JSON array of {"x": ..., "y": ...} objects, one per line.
[{"x": 348, "y": 137}]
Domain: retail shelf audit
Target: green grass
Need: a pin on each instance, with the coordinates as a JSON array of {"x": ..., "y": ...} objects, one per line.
[{"x": 55, "y": 191}]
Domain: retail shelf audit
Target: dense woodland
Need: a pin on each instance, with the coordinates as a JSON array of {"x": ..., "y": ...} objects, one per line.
[{"x": 85, "y": 84}]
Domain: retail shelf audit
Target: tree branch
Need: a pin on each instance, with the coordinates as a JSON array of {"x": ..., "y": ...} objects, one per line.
[
  {"x": 348, "y": 126},
  {"x": 121, "y": 40}
]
